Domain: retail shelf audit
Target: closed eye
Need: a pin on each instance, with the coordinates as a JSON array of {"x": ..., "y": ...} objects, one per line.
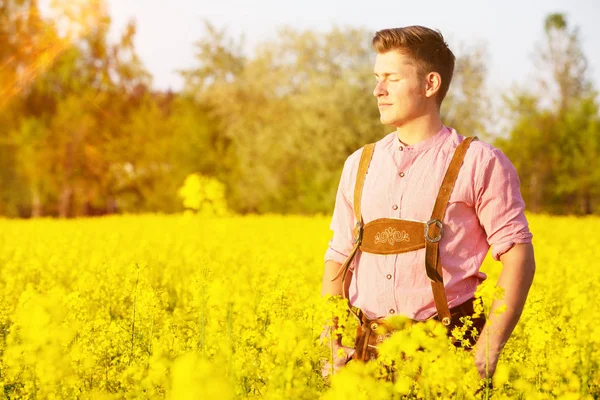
[{"x": 389, "y": 77}]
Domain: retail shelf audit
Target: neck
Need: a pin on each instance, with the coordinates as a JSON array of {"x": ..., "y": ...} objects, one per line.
[{"x": 419, "y": 129}]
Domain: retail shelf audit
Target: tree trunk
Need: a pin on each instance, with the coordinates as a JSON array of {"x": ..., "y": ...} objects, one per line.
[
  {"x": 586, "y": 203},
  {"x": 64, "y": 202},
  {"x": 36, "y": 202},
  {"x": 111, "y": 205},
  {"x": 534, "y": 193}
]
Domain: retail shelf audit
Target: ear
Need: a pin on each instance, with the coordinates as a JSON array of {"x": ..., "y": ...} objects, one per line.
[{"x": 433, "y": 82}]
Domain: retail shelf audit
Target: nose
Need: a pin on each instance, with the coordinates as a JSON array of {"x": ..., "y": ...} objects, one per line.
[{"x": 380, "y": 89}]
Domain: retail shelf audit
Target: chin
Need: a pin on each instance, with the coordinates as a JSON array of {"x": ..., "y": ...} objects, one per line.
[
  {"x": 387, "y": 121},
  {"x": 391, "y": 122}
]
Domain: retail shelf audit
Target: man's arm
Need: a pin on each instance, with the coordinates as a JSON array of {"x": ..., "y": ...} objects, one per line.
[
  {"x": 518, "y": 269},
  {"x": 339, "y": 247},
  {"x": 334, "y": 288}
]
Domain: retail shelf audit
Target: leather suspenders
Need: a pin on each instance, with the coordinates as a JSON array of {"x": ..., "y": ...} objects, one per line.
[
  {"x": 394, "y": 236},
  {"x": 363, "y": 166}
]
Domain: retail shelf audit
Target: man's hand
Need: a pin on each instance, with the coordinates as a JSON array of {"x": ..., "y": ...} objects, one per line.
[
  {"x": 485, "y": 359},
  {"x": 341, "y": 355}
]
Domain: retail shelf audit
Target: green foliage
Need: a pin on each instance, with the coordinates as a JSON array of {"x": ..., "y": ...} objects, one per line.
[
  {"x": 296, "y": 108},
  {"x": 467, "y": 106},
  {"x": 555, "y": 146},
  {"x": 83, "y": 134},
  {"x": 291, "y": 113}
]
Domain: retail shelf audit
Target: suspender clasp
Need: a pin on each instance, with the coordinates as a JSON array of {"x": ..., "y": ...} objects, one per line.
[
  {"x": 438, "y": 223},
  {"x": 358, "y": 232}
]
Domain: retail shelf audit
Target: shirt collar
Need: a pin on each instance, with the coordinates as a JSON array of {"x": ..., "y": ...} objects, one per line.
[{"x": 426, "y": 144}]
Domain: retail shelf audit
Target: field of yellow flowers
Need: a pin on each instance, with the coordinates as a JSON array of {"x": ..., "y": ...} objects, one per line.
[{"x": 189, "y": 307}]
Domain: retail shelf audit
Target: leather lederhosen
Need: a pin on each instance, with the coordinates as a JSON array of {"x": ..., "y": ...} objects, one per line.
[
  {"x": 395, "y": 236},
  {"x": 370, "y": 333}
]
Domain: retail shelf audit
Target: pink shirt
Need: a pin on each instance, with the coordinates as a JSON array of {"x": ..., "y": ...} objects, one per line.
[{"x": 485, "y": 209}]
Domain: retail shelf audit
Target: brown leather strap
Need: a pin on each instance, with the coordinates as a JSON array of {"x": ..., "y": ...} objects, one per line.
[
  {"x": 371, "y": 333},
  {"x": 361, "y": 175},
  {"x": 433, "y": 228},
  {"x": 434, "y": 231},
  {"x": 392, "y": 236}
]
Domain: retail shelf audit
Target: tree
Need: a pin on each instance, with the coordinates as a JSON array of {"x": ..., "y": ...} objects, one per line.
[
  {"x": 296, "y": 108},
  {"x": 467, "y": 106},
  {"x": 562, "y": 58},
  {"x": 23, "y": 33},
  {"x": 554, "y": 145},
  {"x": 66, "y": 93}
]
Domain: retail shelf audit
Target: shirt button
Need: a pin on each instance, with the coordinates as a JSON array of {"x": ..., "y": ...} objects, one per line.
[
  {"x": 401, "y": 148},
  {"x": 389, "y": 276},
  {"x": 392, "y": 311},
  {"x": 401, "y": 174},
  {"x": 395, "y": 207}
]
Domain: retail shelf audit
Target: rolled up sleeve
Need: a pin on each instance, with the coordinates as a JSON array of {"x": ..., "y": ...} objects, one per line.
[
  {"x": 342, "y": 221},
  {"x": 500, "y": 206}
]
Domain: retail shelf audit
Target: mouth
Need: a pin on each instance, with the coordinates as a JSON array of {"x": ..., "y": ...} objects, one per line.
[{"x": 383, "y": 105}]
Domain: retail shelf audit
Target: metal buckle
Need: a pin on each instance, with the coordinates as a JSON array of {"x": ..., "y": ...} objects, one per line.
[
  {"x": 446, "y": 321},
  {"x": 439, "y": 225},
  {"x": 359, "y": 231}
]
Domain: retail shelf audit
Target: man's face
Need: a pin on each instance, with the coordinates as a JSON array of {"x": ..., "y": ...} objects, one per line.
[{"x": 399, "y": 91}]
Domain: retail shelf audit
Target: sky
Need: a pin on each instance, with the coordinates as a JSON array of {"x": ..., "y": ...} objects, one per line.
[{"x": 510, "y": 30}]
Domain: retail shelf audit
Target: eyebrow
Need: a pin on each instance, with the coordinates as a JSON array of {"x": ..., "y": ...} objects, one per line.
[{"x": 386, "y": 74}]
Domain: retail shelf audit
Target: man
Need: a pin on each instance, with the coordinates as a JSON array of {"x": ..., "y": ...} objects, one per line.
[{"x": 398, "y": 187}]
